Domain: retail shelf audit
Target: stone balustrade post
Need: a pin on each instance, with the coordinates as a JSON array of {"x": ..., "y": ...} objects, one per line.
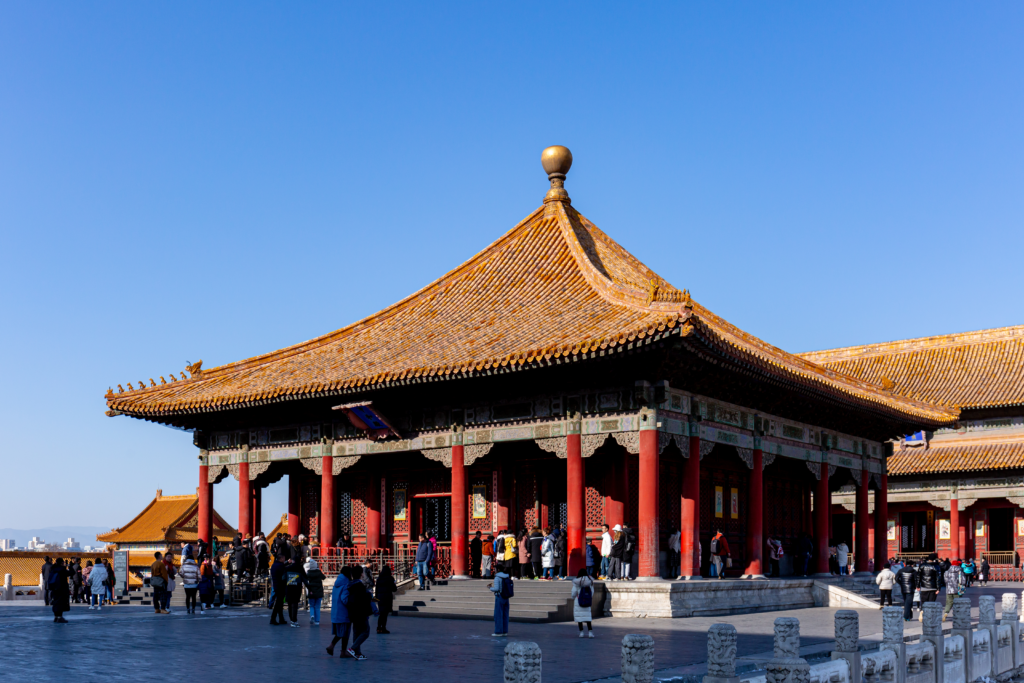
[
  {"x": 522, "y": 662},
  {"x": 722, "y": 654},
  {"x": 638, "y": 658},
  {"x": 962, "y": 627},
  {"x": 847, "y": 623},
  {"x": 987, "y": 621},
  {"x": 931, "y": 631},
  {"x": 892, "y": 640},
  {"x": 787, "y": 666},
  {"x": 1009, "y": 617}
]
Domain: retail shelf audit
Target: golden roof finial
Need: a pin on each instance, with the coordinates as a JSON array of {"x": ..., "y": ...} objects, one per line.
[{"x": 557, "y": 161}]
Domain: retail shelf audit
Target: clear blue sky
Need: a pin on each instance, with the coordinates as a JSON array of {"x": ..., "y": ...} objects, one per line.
[{"x": 182, "y": 181}]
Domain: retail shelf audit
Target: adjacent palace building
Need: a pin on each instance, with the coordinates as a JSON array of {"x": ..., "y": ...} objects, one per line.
[
  {"x": 957, "y": 490},
  {"x": 553, "y": 379}
]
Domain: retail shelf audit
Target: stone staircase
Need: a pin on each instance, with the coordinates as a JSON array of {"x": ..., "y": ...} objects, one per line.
[
  {"x": 534, "y": 601},
  {"x": 847, "y": 591}
]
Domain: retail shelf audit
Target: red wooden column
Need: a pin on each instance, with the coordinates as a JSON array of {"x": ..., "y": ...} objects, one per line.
[
  {"x": 648, "y": 512},
  {"x": 205, "y": 504},
  {"x": 328, "y": 502},
  {"x": 822, "y": 515},
  {"x": 689, "y": 519},
  {"x": 954, "y": 529},
  {"x": 882, "y": 523},
  {"x": 294, "y": 495},
  {"x": 860, "y": 560},
  {"x": 755, "y": 525},
  {"x": 244, "y": 500},
  {"x": 575, "y": 511},
  {"x": 615, "y": 506},
  {"x": 257, "y": 510},
  {"x": 460, "y": 513},
  {"x": 373, "y": 512}
]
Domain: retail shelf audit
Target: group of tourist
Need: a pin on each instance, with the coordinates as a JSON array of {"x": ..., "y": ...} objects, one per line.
[
  {"x": 69, "y": 582},
  {"x": 921, "y": 582},
  {"x": 356, "y": 597},
  {"x": 200, "y": 573}
]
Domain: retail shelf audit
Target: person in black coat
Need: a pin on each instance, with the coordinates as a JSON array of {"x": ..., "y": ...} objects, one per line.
[
  {"x": 475, "y": 550},
  {"x": 60, "y": 591},
  {"x": 45, "y": 571},
  {"x": 906, "y": 578},
  {"x": 277, "y": 572},
  {"x": 386, "y": 589},
  {"x": 536, "y": 541},
  {"x": 561, "y": 553},
  {"x": 360, "y": 608}
]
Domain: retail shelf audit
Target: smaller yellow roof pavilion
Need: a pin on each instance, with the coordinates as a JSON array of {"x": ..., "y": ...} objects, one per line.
[{"x": 166, "y": 520}]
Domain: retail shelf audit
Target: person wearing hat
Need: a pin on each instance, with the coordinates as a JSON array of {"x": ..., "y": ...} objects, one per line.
[
  {"x": 719, "y": 549},
  {"x": 314, "y": 590},
  {"x": 615, "y": 556},
  {"x": 955, "y": 585}
]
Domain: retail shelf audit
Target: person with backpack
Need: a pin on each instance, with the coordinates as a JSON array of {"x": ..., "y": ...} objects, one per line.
[
  {"x": 60, "y": 592},
  {"x": 583, "y": 601},
  {"x": 314, "y": 590},
  {"x": 503, "y": 589},
  {"x": 157, "y": 581},
  {"x": 719, "y": 550}
]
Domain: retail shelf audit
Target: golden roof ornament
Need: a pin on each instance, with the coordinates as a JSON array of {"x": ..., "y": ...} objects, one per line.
[{"x": 556, "y": 160}]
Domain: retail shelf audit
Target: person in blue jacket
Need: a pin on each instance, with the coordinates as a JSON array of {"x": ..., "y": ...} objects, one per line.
[
  {"x": 424, "y": 556},
  {"x": 340, "y": 622}
]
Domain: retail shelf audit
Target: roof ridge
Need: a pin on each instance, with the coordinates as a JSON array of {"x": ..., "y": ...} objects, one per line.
[{"x": 898, "y": 346}]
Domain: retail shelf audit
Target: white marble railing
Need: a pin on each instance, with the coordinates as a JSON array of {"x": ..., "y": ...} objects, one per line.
[{"x": 954, "y": 666}]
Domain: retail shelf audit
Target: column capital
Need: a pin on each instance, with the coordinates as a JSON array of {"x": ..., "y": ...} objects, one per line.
[{"x": 648, "y": 419}]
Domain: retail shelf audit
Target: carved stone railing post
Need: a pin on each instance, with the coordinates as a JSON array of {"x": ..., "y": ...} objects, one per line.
[
  {"x": 637, "y": 659},
  {"x": 1009, "y": 617},
  {"x": 987, "y": 621},
  {"x": 787, "y": 666},
  {"x": 931, "y": 631},
  {"x": 522, "y": 662},
  {"x": 721, "y": 654},
  {"x": 962, "y": 627},
  {"x": 892, "y": 640},
  {"x": 847, "y": 636}
]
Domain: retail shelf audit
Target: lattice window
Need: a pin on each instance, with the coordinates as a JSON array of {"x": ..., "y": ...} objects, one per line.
[
  {"x": 559, "y": 515},
  {"x": 526, "y": 496},
  {"x": 481, "y": 523},
  {"x": 345, "y": 514},
  {"x": 595, "y": 508},
  {"x": 401, "y": 525},
  {"x": 310, "y": 507},
  {"x": 358, "y": 516}
]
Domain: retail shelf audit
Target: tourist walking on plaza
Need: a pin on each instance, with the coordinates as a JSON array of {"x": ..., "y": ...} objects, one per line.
[
  {"x": 189, "y": 574},
  {"x": 424, "y": 556},
  {"x": 582, "y": 601},
  {"x": 525, "y": 563},
  {"x": 86, "y": 586},
  {"x": 340, "y": 621},
  {"x": 983, "y": 571},
  {"x": 885, "y": 580},
  {"x": 218, "y": 581},
  {"x": 487, "y": 557},
  {"x": 503, "y": 589},
  {"x": 76, "y": 581},
  {"x": 110, "y": 582},
  {"x": 475, "y": 548},
  {"x": 843, "y": 558},
  {"x": 172, "y": 573},
  {"x": 277, "y": 572},
  {"x": 968, "y": 568},
  {"x": 956, "y": 585},
  {"x": 720, "y": 555},
  {"x": 593, "y": 556},
  {"x": 97, "y": 579},
  {"x": 360, "y": 607},
  {"x": 906, "y": 577},
  {"x": 385, "y": 594},
  {"x": 45, "y": 572},
  {"x": 606, "y": 552},
  {"x": 930, "y": 581},
  {"x": 158, "y": 582},
  {"x": 547, "y": 555},
  {"x": 60, "y": 592},
  {"x": 206, "y": 583},
  {"x": 535, "y": 544},
  {"x": 314, "y": 590},
  {"x": 294, "y": 580},
  {"x": 511, "y": 561}
]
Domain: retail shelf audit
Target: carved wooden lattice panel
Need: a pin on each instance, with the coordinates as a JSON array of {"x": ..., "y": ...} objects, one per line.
[
  {"x": 526, "y": 497},
  {"x": 360, "y": 485},
  {"x": 310, "y": 507},
  {"x": 595, "y": 508},
  {"x": 401, "y": 525},
  {"x": 345, "y": 513},
  {"x": 482, "y": 524}
]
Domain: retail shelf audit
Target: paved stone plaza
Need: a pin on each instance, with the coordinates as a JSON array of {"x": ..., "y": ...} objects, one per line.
[{"x": 133, "y": 644}]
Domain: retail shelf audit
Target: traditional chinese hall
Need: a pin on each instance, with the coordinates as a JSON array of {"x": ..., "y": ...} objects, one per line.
[{"x": 552, "y": 379}]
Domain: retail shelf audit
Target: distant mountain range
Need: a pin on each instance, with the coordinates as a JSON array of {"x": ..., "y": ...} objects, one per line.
[{"x": 84, "y": 535}]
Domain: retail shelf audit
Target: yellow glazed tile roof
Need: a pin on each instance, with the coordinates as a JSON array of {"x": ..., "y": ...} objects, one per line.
[
  {"x": 957, "y": 458},
  {"x": 25, "y": 566},
  {"x": 983, "y": 369},
  {"x": 554, "y": 286},
  {"x": 167, "y": 519}
]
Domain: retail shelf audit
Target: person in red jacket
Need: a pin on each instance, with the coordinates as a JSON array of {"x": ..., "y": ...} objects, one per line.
[{"x": 719, "y": 550}]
